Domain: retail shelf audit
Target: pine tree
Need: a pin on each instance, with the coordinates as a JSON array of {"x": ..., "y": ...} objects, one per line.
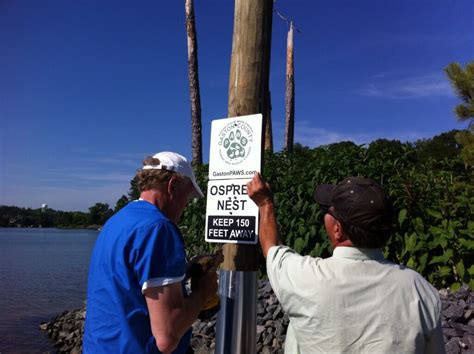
[
  {"x": 462, "y": 80},
  {"x": 463, "y": 84}
]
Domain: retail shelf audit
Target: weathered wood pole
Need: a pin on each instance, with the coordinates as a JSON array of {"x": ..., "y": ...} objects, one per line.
[
  {"x": 248, "y": 94},
  {"x": 248, "y": 87},
  {"x": 194, "y": 94},
  {"x": 267, "y": 105},
  {"x": 268, "y": 124},
  {"x": 290, "y": 93}
]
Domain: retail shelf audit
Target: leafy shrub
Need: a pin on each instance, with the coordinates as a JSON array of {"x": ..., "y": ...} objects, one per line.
[{"x": 433, "y": 200}]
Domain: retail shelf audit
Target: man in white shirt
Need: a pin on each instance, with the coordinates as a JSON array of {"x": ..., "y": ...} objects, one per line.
[{"x": 355, "y": 301}]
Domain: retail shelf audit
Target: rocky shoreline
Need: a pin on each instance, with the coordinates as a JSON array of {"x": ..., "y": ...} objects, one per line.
[{"x": 66, "y": 329}]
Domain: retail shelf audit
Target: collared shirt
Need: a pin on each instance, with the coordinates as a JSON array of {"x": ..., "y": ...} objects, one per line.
[
  {"x": 354, "y": 302},
  {"x": 138, "y": 248}
]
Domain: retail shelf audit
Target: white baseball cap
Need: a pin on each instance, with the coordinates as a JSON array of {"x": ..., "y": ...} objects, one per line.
[{"x": 171, "y": 161}]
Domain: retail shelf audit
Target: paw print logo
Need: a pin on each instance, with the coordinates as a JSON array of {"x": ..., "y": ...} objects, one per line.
[
  {"x": 235, "y": 144},
  {"x": 236, "y": 139}
]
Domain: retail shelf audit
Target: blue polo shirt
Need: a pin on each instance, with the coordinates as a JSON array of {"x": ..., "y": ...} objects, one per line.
[{"x": 138, "y": 248}]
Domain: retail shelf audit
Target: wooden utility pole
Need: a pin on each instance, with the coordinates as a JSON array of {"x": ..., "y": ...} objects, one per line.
[
  {"x": 194, "y": 94},
  {"x": 268, "y": 124},
  {"x": 290, "y": 93},
  {"x": 236, "y": 324},
  {"x": 248, "y": 88}
]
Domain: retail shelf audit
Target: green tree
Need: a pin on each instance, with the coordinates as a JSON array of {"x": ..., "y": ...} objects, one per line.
[
  {"x": 439, "y": 147},
  {"x": 123, "y": 200},
  {"x": 463, "y": 84},
  {"x": 133, "y": 192},
  {"x": 462, "y": 80},
  {"x": 99, "y": 213}
]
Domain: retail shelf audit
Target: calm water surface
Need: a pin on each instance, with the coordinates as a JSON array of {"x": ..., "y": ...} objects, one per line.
[{"x": 43, "y": 272}]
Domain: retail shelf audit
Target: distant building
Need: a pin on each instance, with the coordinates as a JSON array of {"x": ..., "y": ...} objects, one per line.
[{"x": 44, "y": 207}]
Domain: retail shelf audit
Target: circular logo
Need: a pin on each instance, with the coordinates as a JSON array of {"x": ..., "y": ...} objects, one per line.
[{"x": 235, "y": 142}]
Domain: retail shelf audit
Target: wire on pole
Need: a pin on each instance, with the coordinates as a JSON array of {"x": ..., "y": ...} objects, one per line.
[{"x": 288, "y": 22}]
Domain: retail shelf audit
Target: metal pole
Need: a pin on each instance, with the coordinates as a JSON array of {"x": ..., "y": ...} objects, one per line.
[{"x": 236, "y": 321}]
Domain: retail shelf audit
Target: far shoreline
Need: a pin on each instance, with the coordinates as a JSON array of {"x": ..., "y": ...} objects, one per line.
[{"x": 90, "y": 227}]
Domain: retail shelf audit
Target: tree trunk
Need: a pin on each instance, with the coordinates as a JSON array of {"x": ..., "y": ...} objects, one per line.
[
  {"x": 290, "y": 93},
  {"x": 267, "y": 106},
  {"x": 248, "y": 87},
  {"x": 194, "y": 94},
  {"x": 268, "y": 124}
]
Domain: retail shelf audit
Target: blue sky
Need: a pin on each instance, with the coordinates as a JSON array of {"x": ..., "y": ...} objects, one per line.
[{"x": 89, "y": 88}]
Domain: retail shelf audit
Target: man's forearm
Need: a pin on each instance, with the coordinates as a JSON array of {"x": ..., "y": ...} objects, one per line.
[
  {"x": 171, "y": 320},
  {"x": 184, "y": 317},
  {"x": 268, "y": 233}
]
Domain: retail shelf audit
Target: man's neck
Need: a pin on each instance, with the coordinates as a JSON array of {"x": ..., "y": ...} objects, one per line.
[
  {"x": 161, "y": 200},
  {"x": 343, "y": 243},
  {"x": 151, "y": 196}
]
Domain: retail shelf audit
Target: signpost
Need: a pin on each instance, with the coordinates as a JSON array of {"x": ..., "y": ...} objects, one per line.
[
  {"x": 231, "y": 217},
  {"x": 236, "y": 325}
]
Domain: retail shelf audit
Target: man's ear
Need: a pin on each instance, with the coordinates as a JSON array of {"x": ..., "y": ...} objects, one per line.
[
  {"x": 172, "y": 186},
  {"x": 338, "y": 232}
]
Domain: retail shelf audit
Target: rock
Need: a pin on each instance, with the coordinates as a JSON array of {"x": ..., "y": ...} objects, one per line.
[
  {"x": 66, "y": 330},
  {"x": 463, "y": 292},
  {"x": 267, "y": 288},
  {"x": 268, "y": 339},
  {"x": 468, "y": 340},
  {"x": 443, "y": 294},
  {"x": 455, "y": 312},
  {"x": 451, "y": 332},
  {"x": 277, "y": 312},
  {"x": 452, "y": 347},
  {"x": 279, "y": 329}
]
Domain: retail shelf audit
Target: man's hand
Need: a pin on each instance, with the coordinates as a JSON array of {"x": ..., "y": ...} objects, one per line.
[
  {"x": 206, "y": 282},
  {"x": 259, "y": 191}
]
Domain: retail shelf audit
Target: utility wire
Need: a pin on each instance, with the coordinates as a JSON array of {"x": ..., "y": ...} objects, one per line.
[{"x": 288, "y": 22}]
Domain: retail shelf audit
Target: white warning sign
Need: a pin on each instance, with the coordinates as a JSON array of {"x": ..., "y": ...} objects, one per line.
[{"x": 231, "y": 216}]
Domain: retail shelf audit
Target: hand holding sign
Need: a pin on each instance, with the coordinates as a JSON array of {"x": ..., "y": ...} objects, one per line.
[{"x": 259, "y": 191}]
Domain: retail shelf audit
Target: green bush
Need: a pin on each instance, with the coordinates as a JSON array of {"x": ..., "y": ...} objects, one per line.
[{"x": 433, "y": 201}]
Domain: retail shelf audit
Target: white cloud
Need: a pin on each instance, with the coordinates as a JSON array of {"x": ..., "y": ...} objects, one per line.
[
  {"x": 404, "y": 88},
  {"x": 64, "y": 198},
  {"x": 311, "y": 136},
  {"x": 75, "y": 187}
]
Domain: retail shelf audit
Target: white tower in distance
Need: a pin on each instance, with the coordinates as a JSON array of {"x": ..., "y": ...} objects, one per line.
[{"x": 44, "y": 207}]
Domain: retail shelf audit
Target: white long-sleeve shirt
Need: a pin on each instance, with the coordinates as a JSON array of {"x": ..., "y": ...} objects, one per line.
[{"x": 354, "y": 302}]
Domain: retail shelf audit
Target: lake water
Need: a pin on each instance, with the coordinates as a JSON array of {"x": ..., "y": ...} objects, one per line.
[{"x": 43, "y": 272}]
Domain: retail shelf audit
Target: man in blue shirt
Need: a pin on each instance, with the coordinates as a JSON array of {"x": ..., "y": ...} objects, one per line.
[{"x": 136, "y": 302}]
